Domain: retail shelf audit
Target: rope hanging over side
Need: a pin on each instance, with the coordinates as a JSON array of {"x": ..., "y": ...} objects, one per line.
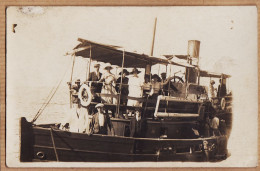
[{"x": 45, "y": 104}]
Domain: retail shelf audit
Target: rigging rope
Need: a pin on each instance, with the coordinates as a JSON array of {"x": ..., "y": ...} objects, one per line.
[{"x": 45, "y": 104}]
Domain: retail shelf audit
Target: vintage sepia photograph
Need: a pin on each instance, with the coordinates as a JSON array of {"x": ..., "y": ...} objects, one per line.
[{"x": 131, "y": 86}]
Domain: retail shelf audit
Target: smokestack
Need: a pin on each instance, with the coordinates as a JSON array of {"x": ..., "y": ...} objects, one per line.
[
  {"x": 193, "y": 48},
  {"x": 193, "y": 51}
]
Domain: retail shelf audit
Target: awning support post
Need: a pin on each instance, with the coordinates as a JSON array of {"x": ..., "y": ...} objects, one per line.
[
  {"x": 120, "y": 87},
  {"x": 71, "y": 79},
  {"x": 90, "y": 59}
]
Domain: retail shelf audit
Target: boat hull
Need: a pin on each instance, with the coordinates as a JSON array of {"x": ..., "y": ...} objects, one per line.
[{"x": 47, "y": 144}]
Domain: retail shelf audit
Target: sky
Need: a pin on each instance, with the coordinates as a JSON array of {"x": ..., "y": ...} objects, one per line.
[
  {"x": 228, "y": 35},
  {"x": 44, "y": 34}
]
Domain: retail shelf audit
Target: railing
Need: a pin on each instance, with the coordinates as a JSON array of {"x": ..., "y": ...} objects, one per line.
[{"x": 144, "y": 99}]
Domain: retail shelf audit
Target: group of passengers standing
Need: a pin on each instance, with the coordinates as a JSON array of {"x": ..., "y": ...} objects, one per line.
[{"x": 131, "y": 86}]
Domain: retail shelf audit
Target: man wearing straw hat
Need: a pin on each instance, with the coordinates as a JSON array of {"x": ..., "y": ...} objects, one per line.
[{"x": 101, "y": 122}]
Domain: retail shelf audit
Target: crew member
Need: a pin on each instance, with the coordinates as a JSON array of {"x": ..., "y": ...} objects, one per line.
[{"x": 101, "y": 123}]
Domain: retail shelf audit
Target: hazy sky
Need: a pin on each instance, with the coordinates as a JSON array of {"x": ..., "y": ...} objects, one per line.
[{"x": 44, "y": 34}]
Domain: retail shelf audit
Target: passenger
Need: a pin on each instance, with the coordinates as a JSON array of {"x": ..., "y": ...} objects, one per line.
[
  {"x": 214, "y": 125},
  {"x": 74, "y": 89},
  {"x": 135, "y": 88},
  {"x": 146, "y": 86},
  {"x": 166, "y": 88},
  {"x": 212, "y": 90},
  {"x": 95, "y": 86},
  {"x": 109, "y": 85},
  {"x": 137, "y": 125},
  {"x": 124, "y": 91},
  {"x": 222, "y": 90},
  {"x": 101, "y": 123},
  {"x": 124, "y": 86},
  {"x": 75, "y": 122},
  {"x": 157, "y": 85}
]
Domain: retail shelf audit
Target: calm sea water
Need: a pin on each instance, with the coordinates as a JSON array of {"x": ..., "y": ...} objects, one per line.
[
  {"x": 30, "y": 100},
  {"x": 26, "y": 102}
]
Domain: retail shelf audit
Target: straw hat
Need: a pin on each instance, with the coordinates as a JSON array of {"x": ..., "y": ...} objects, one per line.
[
  {"x": 108, "y": 67},
  {"x": 212, "y": 82},
  {"x": 135, "y": 70},
  {"x": 96, "y": 65},
  {"x": 99, "y": 105},
  {"x": 124, "y": 71}
]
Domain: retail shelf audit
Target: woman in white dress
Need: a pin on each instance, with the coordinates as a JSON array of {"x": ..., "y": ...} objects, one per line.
[
  {"x": 135, "y": 88},
  {"x": 109, "y": 80}
]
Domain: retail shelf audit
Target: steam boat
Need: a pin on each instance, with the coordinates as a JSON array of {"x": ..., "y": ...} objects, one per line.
[{"x": 175, "y": 122}]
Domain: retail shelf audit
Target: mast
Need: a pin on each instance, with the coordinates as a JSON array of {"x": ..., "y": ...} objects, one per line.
[
  {"x": 154, "y": 30},
  {"x": 148, "y": 66}
]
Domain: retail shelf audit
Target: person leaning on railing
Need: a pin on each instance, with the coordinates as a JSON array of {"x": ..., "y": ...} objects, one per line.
[
  {"x": 157, "y": 85},
  {"x": 166, "y": 87}
]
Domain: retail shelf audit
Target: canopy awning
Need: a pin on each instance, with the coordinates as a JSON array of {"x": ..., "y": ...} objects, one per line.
[
  {"x": 213, "y": 75},
  {"x": 182, "y": 64},
  {"x": 114, "y": 55},
  {"x": 185, "y": 57}
]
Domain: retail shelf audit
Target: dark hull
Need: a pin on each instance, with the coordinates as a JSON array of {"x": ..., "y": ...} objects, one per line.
[{"x": 46, "y": 144}]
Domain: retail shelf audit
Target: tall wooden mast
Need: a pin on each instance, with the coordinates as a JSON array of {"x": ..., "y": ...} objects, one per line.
[{"x": 148, "y": 66}]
